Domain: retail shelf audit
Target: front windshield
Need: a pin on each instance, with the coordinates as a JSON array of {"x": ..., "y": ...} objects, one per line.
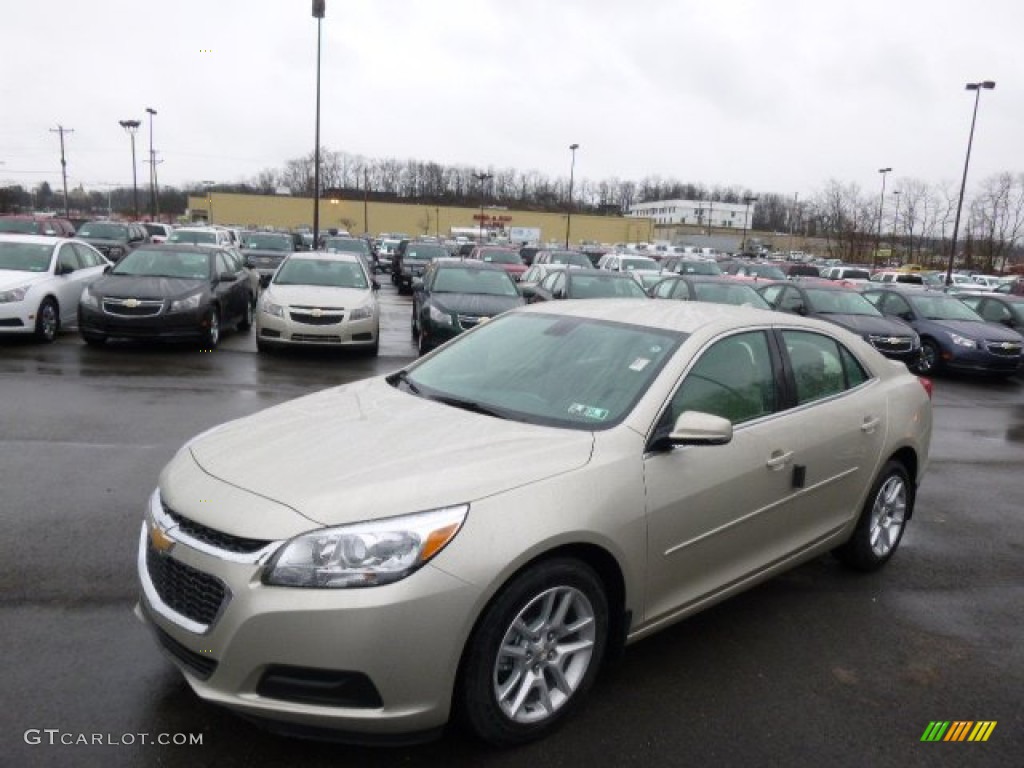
[
  {"x": 501, "y": 257},
  {"x": 20, "y": 226},
  {"x": 347, "y": 245},
  {"x": 569, "y": 257},
  {"x": 266, "y": 242},
  {"x": 25, "y": 257},
  {"x": 610, "y": 286},
  {"x": 766, "y": 270},
  {"x": 186, "y": 265},
  {"x": 698, "y": 268},
  {"x": 841, "y": 303},
  {"x": 321, "y": 272},
  {"x": 103, "y": 231},
  {"x": 941, "y": 307},
  {"x": 740, "y": 295},
  {"x": 421, "y": 252},
  {"x": 638, "y": 262},
  {"x": 489, "y": 282},
  {"x": 570, "y": 372},
  {"x": 192, "y": 237}
]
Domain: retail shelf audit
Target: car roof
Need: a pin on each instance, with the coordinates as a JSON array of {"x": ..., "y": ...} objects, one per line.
[{"x": 11, "y": 237}]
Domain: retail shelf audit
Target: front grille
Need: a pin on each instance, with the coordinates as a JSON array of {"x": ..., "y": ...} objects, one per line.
[
  {"x": 133, "y": 308},
  {"x": 213, "y": 537},
  {"x": 185, "y": 590},
  {"x": 892, "y": 343},
  {"x": 315, "y": 339},
  {"x": 307, "y": 318},
  {"x": 199, "y": 665},
  {"x": 468, "y": 321},
  {"x": 1004, "y": 348}
]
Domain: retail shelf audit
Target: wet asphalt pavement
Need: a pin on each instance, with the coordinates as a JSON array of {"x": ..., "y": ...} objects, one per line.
[{"x": 817, "y": 667}]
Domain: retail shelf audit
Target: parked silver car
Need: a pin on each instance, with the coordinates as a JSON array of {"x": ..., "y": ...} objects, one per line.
[{"x": 477, "y": 532}]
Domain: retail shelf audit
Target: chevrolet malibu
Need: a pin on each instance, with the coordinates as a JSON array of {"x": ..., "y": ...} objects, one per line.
[{"x": 560, "y": 481}]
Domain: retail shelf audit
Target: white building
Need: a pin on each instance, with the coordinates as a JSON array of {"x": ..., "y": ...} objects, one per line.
[{"x": 697, "y": 213}]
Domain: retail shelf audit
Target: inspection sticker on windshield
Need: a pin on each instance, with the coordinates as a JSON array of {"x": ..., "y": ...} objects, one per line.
[
  {"x": 639, "y": 364},
  {"x": 588, "y": 412}
]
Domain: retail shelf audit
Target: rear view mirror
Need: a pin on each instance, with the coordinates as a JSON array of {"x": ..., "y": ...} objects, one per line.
[{"x": 697, "y": 428}]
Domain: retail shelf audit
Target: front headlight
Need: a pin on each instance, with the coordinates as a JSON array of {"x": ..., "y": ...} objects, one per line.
[
  {"x": 364, "y": 554},
  {"x": 439, "y": 317},
  {"x": 361, "y": 313},
  {"x": 191, "y": 302},
  {"x": 89, "y": 298},
  {"x": 14, "y": 294},
  {"x": 270, "y": 308},
  {"x": 963, "y": 341}
]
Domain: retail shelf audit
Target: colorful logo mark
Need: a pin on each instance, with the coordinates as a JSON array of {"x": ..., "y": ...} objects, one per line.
[{"x": 958, "y": 730}]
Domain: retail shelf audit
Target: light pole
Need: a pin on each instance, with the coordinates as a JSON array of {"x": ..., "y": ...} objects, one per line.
[
  {"x": 881, "y": 202},
  {"x": 481, "y": 177},
  {"x": 131, "y": 127},
  {"x": 747, "y": 200},
  {"x": 209, "y": 202},
  {"x": 319, "y": 8},
  {"x": 895, "y": 219},
  {"x": 366, "y": 187},
  {"x": 976, "y": 87},
  {"x": 572, "y": 172},
  {"x": 154, "y": 205}
]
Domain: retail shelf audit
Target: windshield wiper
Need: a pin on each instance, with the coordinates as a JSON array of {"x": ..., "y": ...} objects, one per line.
[
  {"x": 468, "y": 405},
  {"x": 402, "y": 377}
]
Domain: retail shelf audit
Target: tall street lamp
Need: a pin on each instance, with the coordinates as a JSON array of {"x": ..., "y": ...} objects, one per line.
[
  {"x": 319, "y": 8},
  {"x": 747, "y": 200},
  {"x": 209, "y": 202},
  {"x": 881, "y": 202},
  {"x": 154, "y": 205},
  {"x": 895, "y": 220},
  {"x": 572, "y": 172},
  {"x": 976, "y": 87},
  {"x": 131, "y": 127},
  {"x": 481, "y": 177}
]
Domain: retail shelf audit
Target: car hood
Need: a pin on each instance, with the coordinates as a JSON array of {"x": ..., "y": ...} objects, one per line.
[
  {"x": 365, "y": 451},
  {"x": 145, "y": 287},
  {"x": 869, "y": 324},
  {"x": 15, "y": 278},
  {"x": 972, "y": 329},
  {"x": 317, "y": 296},
  {"x": 265, "y": 253},
  {"x": 475, "y": 303}
]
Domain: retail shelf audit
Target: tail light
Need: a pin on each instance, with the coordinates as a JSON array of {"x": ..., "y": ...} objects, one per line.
[{"x": 927, "y": 384}]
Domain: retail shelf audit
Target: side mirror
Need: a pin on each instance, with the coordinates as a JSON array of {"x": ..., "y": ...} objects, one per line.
[
  {"x": 225, "y": 277},
  {"x": 559, "y": 294},
  {"x": 526, "y": 290},
  {"x": 65, "y": 269},
  {"x": 697, "y": 428}
]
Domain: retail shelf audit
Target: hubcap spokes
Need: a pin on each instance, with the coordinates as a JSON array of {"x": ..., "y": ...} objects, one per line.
[
  {"x": 544, "y": 655},
  {"x": 888, "y": 516}
]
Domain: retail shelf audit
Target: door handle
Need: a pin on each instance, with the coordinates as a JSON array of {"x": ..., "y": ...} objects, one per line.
[
  {"x": 779, "y": 460},
  {"x": 869, "y": 424}
]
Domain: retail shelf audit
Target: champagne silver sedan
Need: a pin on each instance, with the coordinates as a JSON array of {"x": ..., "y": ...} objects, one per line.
[{"x": 470, "y": 537}]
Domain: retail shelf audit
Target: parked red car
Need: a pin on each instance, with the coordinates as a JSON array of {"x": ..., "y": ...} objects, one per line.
[
  {"x": 36, "y": 225},
  {"x": 506, "y": 258}
]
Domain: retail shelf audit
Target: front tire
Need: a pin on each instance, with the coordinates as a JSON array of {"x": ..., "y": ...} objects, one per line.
[
  {"x": 246, "y": 322},
  {"x": 47, "y": 321},
  {"x": 535, "y": 653},
  {"x": 882, "y": 521},
  {"x": 931, "y": 358},
  {"x": 212, "y": 335}
]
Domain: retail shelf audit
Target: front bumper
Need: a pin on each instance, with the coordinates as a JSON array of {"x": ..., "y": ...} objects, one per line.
[
  {"x": 18, "y": 317},
  {"x": 399, "y": 643},
  {"x": 272, "y": 329},
  {"x": 169, "y": 326},
  {"x": 979, "y": 360}
]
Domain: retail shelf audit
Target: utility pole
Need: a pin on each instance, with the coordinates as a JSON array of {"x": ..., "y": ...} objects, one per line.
[
  {"x": 63, "y": 165},
  {"x": 154, "y": 204}
]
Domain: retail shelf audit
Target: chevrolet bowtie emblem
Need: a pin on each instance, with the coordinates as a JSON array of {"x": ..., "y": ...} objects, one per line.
[
  {"x": 159, "y": 540},
  {"x": 317, "y": 312},
  {"x": 130, "y": 303}
]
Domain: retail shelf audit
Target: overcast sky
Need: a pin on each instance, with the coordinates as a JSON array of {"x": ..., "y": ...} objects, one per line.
[{"x": 771, "y": 95}]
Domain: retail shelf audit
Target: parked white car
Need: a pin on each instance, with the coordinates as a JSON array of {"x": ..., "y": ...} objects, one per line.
[
  {"x": 41, "y": 282},
  {"x": 320, "y": 299}
]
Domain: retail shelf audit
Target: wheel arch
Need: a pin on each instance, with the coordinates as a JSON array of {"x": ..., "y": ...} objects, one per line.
[{"x": 907, "y": 456}]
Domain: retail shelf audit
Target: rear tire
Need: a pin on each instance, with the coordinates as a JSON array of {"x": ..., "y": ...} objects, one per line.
[
  {"x": 882, "y": 521},
  {"x": 535, "y": 653}
]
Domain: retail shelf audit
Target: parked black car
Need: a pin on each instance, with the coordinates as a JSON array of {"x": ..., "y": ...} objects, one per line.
[
  {"x": 264, "y": 252},
  {"x": 410, "y": 262},
  {"x": 114, "y": 239},
  {"x": 588, "y": 284},
  {"x": 891, "y": 336},
  {"x": 168, "y": 292},
  {"x": 997, "y": 308},
  {"x": 952, "y": 334},
  {"x": 455, "y": 295}
]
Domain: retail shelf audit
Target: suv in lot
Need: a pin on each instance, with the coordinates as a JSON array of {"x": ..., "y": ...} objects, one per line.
[{"x": 114, "y": 239}]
